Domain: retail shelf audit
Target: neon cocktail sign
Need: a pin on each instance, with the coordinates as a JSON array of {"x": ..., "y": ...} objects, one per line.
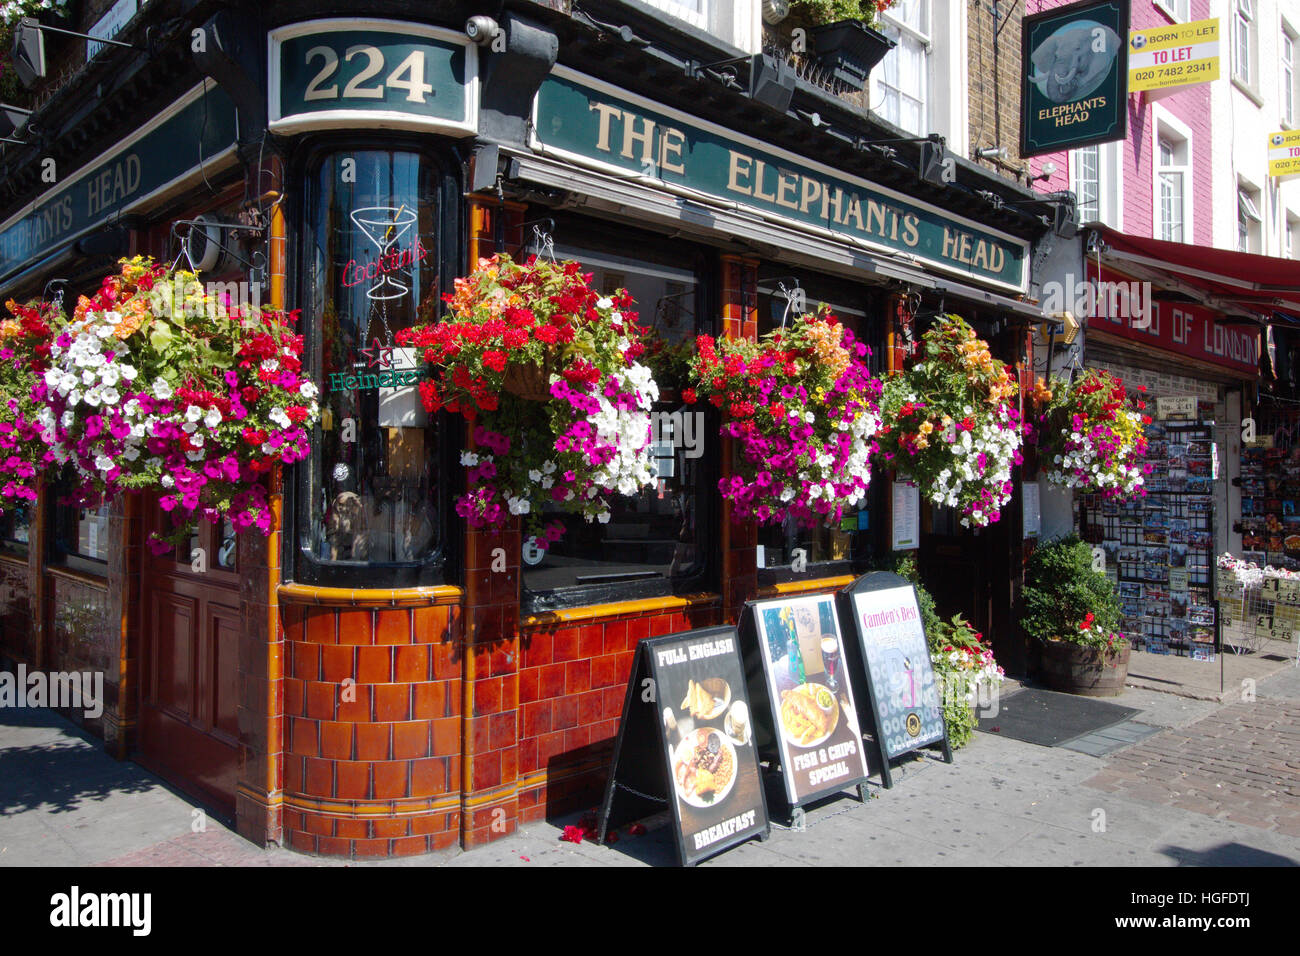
[{"x": 385, "y": 226}]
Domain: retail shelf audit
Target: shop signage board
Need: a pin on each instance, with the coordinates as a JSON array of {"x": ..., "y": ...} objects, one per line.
[
  {"x": 905, "y": 527},
  {"x": 686, "y": 739},
  {"x": 1188, "y": 330},
  {"x": 377, "y": 74},
  {"x": 1284, "y": 152},
  {"x": 583, "y": 119},
  {"x": 901, "y": 689},
  {"x": 1176, "y": 407},
  {"x": 1031, "y": 518},
  {"x": 111, "y": 24},
  {"x": 145, "y": 164},
  {"x": 1176, "y": 54},
  {"x": 814, "y": 718},
  {"x": 1075, "y": 86}
]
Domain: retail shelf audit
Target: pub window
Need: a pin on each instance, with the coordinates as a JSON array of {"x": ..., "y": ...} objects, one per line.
[
  {"x": 658, "y": 541},
  {"x": 368, "y": 500},
  {"x": 820, "y": 551},
  {"x": 15, "y": 528},
  {"x": 78, "y": 533}
]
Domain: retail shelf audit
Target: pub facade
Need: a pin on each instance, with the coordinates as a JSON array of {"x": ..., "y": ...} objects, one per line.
[{"x": 374, "y": 678}]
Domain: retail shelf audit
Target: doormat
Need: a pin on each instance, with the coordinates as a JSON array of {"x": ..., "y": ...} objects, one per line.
[{"x": 1050, "y": 719}]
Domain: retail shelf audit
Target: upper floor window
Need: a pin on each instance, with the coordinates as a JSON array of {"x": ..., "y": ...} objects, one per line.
[
  {"x": 1178, "y": 10},
  {"x": 1288, "y": 77},
  {"x": 1244, "y": 41},
  {"x": 695, "y": 12},
  {"x": 1249, "y": 220},
  {"x": 1095, "y": 179},
  {"x": 368, "y": 499},
  {"x": 1172, "y": 174},
  {"x": 1289, "y": 239},
  {"x": 904, "y": 73}
]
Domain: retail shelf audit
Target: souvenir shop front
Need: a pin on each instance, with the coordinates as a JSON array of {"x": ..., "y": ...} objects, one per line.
[
  {"x": 1198, "y": 366},
  {"x": 374, "y": 678}
]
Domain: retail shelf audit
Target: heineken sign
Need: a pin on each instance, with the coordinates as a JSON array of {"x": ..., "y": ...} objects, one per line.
[
  {"x": 381, "y": 74},
  {"x": 1075, "y": 86},
  {"x": 147, "y": 163},
  {"x": 589, "y": 120}
]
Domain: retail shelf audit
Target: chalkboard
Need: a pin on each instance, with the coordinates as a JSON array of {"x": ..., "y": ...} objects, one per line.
[
  {"x": 686, "y": 743},
  {"x": 905, "y": 704},
  {"x": 814, "y": 719}
]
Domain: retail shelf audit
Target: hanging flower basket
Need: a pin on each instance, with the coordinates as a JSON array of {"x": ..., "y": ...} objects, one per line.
[
  {"x": 952, "y": 425},
  {"x": 546, "y": 370},
  {"x": 155, "y": 384},
  {"x": 1091, "y": 436},
  {"x": 24, "y": 357},
  {"x": 801, "y": 405}
]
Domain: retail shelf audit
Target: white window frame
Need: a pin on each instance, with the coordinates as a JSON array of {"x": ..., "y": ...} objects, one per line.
[
  {"x": 1249, "y": 200},
  {"x": 1290, "y": 234},
  {"x": 1245, "y": 16},
  {"x": 1171, "y": 8},
  {"x": 1291, "y": 90},
  {"x": 1110, "y": 181},
  {"x": 683, "y": 10},
  {"x": 1167, "y": 126},
  {"x": 926, "y": 40}
]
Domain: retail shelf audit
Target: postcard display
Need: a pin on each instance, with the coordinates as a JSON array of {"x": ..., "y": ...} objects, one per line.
[
  {"x": 686, "y": 743},
  {"x": 1160, "y": 548},
  {"x": 1270, "y": 505},
  {"x": 809, "y": 729}
]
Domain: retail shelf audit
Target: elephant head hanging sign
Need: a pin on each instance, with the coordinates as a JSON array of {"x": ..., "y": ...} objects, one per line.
[{"x": 1076, "y": 77}]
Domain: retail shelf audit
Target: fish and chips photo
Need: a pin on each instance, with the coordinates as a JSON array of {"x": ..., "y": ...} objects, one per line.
[{"x": 809, "y": 714}]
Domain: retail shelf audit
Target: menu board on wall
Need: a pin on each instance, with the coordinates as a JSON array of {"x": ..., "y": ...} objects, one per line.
[
  {"x": 686, "y": 739},
  {"x": 906, "y": 514},
  {"x": 902, "y": 691},
  {"x": 810, "y": 697}
]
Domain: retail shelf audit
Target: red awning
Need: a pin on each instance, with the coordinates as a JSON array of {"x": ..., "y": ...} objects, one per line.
[{"x": 1230, "y": 281}]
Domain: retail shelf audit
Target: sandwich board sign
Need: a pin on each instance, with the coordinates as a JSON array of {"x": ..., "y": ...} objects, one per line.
[
  {"x": 814, "y": 722},
  {"x": 686, "y": 741},
  {"x": 904, "y": 697}
]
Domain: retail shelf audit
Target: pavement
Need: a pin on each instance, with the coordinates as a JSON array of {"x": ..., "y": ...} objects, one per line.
[
  {"x": 1220, "y": 680},
  {"x": 1212, "y": 783}
]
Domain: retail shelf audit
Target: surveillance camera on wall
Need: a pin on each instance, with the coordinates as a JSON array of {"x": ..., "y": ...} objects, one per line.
[{"x": 481, "y": 29}]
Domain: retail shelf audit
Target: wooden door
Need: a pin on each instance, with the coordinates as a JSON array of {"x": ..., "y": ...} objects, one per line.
[{"x": 189, "y": 690}]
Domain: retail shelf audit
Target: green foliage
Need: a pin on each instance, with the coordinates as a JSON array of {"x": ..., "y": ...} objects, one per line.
[
  {"x": 832, "y": 11},
  {"x": 1062, "y": 588}
]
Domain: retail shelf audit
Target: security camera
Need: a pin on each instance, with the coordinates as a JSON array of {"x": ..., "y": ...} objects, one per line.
[{"x": 481, "y": 29}]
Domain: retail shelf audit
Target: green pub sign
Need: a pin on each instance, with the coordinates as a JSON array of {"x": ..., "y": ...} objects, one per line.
[
  {"x": 1075, "y": 86},
  {"x": 381, "y": 74},
  {"x": 590, "y": 120}
]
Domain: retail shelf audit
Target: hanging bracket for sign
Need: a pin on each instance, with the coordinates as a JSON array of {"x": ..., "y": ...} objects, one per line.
[{"x": 899, "y": 681}]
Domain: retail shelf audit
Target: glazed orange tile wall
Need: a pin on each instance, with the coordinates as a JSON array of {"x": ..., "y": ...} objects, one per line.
[
  {"x": 572, "y": 680},
  {"x": 371, "y": 767}
]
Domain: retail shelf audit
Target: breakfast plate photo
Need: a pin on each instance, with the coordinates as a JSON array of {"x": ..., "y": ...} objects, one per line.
[{"x": 704, "y": 767}]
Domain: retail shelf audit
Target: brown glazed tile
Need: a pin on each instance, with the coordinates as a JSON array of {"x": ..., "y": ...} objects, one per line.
[
  {"x": 391, "y": 779},
  {"x": 535, "y": 718},
  {"x": 509, "y": 693},
  {"x": 564, "y": 646},
  {"x": 429, "y": 624},
  {"x": 306, "y": 661},
  {"x": 352, "y": 829},
  {"x": 602, "y": 671},
  {"x": 446, "y": 661},
  {"x": 392, "y": 702},
  {"x": 509, "y": 765},
  {"x": 429, "y": 700},
  {"x": 321, "y": 625},
  {"x": 615, "y": 636},
  {"x": 411, "y": 739},
  {"x": 319, "y": 777},
  {"x": 356, "y": 710},
  {"x": 337, "y": 661},
  {"x": 505, "y": 730},
  {"x": 319, "y": 825},
  {"x": 412, "y": 663},
  {"x": 577, "y": 738},
  {"x": 292, "y": 774},
  {"x": 537, "y": 648},
  {"x": 374, "y": 665},
  {"x": 374, "y": 741},
  {"x": 527, "y": 751},
  {"x": 487, "y": 696},
  {"x": 388, "y": 829},
  {"x": 550, "y": 682},
  {"x": 577, "y": 677},
  {"x": 447, "y": 736},
  {"x": 528, "y": 684},
  {"x": 356, "y": 626},
  {"x": 303, "y": 737},
  {"x": 321, "y": 700},
  {"x": 565, "y": 714},
  {"x": 303, "y": 842},
  {"x": 336, "y": 740},
  {"x": 487, "y": 770},
  {"x": 334, "y": 846},
  {"x": 590, "y": 708},
  {"x": 291, "y": 621},
  {"x": 428, "y": 777},
  {"x": 393, "y": 626},
  {"x": 353, "y": 780},
  {"x": 295, "y": 694},
  {"x": 410, "y": 846}
]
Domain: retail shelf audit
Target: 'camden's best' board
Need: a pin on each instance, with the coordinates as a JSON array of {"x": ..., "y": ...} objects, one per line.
[
  {"x": 814, "y": 719},
  {"x": 904, "y": 695},
  {"x": 686, "y": 739}
]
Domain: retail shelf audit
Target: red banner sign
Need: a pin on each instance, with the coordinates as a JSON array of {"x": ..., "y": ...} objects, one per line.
[{"x": 1192, "y": 331}]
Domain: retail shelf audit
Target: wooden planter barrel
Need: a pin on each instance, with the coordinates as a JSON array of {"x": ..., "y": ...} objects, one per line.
[{"x": 1076, "y": 669}]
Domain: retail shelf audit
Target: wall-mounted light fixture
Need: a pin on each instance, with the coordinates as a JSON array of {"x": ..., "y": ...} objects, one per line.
[
  {"x": 28, "y": 49},
  {"x": 1046, "y": 171},
  {"x": 992, "y": 152}
]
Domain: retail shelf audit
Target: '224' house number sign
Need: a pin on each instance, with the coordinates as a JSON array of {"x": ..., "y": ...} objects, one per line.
[{"x": 377, "y": 74}]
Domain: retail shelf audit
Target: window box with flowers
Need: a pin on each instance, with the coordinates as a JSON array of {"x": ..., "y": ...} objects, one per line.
[{"x": 841, "y": 36}]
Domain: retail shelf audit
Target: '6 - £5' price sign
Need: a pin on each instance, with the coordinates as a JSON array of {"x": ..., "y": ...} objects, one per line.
[{"x": 372, "y": 74}]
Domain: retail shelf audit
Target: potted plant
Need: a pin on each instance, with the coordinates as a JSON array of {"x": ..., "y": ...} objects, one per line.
[
  {"x": 155, "y": 384},
  {"x": 1072, "y": 610},
  {"x": 965, "y": 670},
  {"x": 801, "y": 405},
  {"x": 1091, "y": 435},
  {"x": 950, "y": 423},
  {"x": 545, "y": 370},
  {"x": 842, "y": 38}
]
